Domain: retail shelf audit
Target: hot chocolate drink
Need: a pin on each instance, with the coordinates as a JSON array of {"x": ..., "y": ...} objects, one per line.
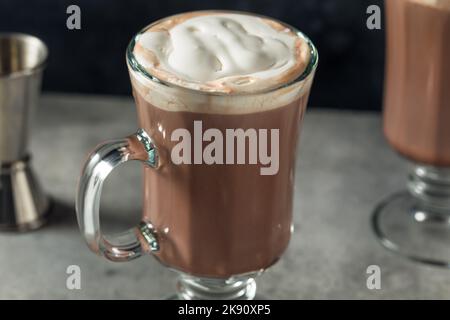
[
  {"x": 414, "y": 223},
  {"x": 225, "y": 71},
  {"x": 417, "y": 95}
]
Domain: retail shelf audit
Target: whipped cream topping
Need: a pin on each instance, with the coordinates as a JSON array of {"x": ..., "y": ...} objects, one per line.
[{"x": 222, "y": 52}]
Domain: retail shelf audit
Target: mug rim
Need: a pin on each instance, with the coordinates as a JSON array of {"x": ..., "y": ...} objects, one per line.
[
  {"x": 309, "y": 70},
  {"x": 26, "y": 38}
]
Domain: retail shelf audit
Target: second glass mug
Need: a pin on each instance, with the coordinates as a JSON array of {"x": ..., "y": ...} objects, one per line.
[
  {"x": 416, "y": 120},
  {"x": 218, "y": 226}
]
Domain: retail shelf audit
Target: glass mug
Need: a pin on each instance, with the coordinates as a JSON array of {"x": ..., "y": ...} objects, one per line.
[
  {"x": 416, "y": 118},
  {"x": 217, "y": 225}
]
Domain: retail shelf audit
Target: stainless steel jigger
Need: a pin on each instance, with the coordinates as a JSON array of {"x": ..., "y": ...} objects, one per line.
[{"x": 23, "y": 205}]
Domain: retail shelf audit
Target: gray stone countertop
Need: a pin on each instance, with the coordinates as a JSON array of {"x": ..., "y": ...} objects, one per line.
[{"x": 345, "y": 167}]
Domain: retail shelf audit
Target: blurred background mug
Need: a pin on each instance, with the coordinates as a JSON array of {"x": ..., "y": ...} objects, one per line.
[{"x": 416, "y": 223}]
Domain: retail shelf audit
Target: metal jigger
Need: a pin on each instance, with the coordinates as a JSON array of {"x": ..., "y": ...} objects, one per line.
[{"x": 23, "y": 205}]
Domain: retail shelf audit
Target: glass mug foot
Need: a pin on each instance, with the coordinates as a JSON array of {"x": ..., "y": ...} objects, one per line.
[
  {"x": 416, "y": 223},
  {"x": 197, "y": 288}
]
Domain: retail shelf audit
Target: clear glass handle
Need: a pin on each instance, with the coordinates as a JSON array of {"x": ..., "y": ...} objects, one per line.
[{"x": 107, "y": 156}]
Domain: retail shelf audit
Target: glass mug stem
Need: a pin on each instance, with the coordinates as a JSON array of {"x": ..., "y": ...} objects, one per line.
[
  {"x": 107, "y": 156},
  {"x": 416, "y": 223},
  {"x": 196, "y": 288},
  {"x": 430, "y": 186}
]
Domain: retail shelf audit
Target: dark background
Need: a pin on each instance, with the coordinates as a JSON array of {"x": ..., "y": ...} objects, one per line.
[{"x": 92, "y": 60}]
